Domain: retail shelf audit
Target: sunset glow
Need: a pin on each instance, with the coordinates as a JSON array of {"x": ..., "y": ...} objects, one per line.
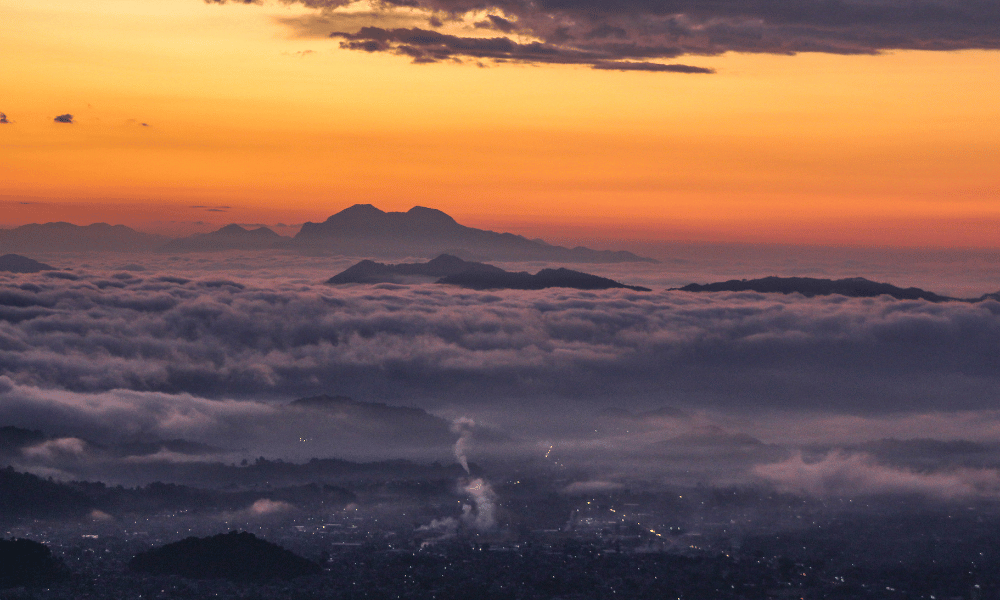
[{"x": 179, "y": 103}]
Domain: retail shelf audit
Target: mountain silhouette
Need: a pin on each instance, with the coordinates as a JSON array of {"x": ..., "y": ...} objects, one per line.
[
  {"x": 15, "y": 263},
  {"x": 363, "y": 229},
  {"x": 546, "y": 278},
  {"x": 452, "y": 270},
  {"x": 855, "y": 287},
  {"x": 67, "y": 237},
  {"x": 369, "y": 271},
  {"x": 239, "y": 556},
  {"x": 230, "y": 237}
]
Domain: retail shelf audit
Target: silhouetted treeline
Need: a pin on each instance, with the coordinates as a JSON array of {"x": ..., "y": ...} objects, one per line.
[{"x": 26, "y": 495}]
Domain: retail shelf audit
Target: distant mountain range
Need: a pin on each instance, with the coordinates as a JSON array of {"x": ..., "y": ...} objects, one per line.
[
  {"x": 854, "y": 287},
  {"x": 230, "y": 237},
  {"x": 67, "y": 237},
  {"x": 361, "y": 230},
  {"x": 447, "y": 269}
]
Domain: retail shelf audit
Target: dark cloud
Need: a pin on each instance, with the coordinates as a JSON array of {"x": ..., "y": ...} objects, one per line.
[
  {"x": 575, "y": 31},
  {"x": 427, "y": 46},
  {"x": 498, "y": 23},
  {"x": 67, "y": 118},
  {"x": 3, "y": 118}
]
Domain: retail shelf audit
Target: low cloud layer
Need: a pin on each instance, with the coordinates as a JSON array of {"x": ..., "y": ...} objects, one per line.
[
  {"x": 603, "y": 33},
  {"x": 841, "y": 474},
  {"x": 600, "y": 387},
  {"x": 435, "y": 346}
]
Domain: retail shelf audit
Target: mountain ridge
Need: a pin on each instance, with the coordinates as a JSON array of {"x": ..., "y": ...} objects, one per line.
[
  {"x": 15, "y": 263},
  {"x": 229, "y": 237},
  {"x": 853, "y": 287},
  {"x": 363, "y": 229},
  {"x": 61, "y": 236},
  {"x": 451, "y": 270}
]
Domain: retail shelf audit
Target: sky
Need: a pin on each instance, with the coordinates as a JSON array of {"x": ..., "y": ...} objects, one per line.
[{"x": 859, "y": 122}]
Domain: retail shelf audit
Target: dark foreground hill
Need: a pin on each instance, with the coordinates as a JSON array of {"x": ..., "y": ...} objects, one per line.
[
  {"x": 239, "y": 556},
  {"x": 855, "y": 287},
  {"x": 452, "y": 270},
  {"x": 230, "y": 237},
  {"x": 15, "y": 263},
  {"x": 28, "y": 563},
  {"x": 363, "y": 229}
]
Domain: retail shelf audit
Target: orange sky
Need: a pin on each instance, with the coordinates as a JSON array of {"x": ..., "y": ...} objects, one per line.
[{"x": 901, "y": 148}]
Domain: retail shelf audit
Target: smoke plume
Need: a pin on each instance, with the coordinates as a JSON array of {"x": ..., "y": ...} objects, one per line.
[{"x": 463, "y": 427}]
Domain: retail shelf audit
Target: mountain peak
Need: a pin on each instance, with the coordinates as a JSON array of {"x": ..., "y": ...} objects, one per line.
[
  {"x": 425, "y": 214},
  {"x": 363, "y": 229},
  {"x": 356, "y": 211}
]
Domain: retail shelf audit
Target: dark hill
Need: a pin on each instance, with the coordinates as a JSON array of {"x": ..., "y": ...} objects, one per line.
[
  {"x": 368, "y": 271},
  {"x": 855, "y": 287},
  {"x": 26, "y": 495},
  {"x": 363, "y": 229},
  {"x": 15, "y": 263},
  {"x": 546, "y": 278},
  {"x": 28, "y": 563},
  {"x": 400, "y": 423},
  {"x": 66, "y": 237},
  {"x": 452, "y": 270},
  {"x": 239, "y": 556},
  {"x": 230, "y": 237}
]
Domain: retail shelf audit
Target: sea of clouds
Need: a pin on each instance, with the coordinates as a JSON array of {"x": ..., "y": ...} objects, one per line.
[{"x": 213, "y": 349}]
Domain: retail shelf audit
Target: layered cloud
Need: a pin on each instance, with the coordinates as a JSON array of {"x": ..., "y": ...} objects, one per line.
[
  {"x": 641, "y": 34},
  {"x": 843, "y": 475},
  {"x": 216, "y": 338}
]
